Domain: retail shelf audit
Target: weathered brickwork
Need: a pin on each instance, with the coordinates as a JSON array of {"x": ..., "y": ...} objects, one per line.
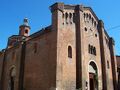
[
  {"x": 118, "y": 70},
  {"x": 11, "y": 67},
  {"x": 73, "y": 53}
]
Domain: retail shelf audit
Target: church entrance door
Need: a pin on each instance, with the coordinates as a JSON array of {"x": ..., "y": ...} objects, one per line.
[{"x": 91, "y": 81}]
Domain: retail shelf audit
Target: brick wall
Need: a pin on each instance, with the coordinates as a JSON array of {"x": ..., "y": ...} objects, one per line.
[
  {"x": 40, "y": 62},
  {"x": 12, "y": 60}
]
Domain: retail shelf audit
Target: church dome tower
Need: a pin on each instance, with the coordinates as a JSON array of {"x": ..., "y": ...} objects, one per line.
[{"x": 24, "y": 29}]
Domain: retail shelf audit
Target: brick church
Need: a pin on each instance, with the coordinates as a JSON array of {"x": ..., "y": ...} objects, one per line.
[{"x": 73, "y": 53}]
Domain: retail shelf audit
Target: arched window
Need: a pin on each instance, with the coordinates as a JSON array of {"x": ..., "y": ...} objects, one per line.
[
  {"x": 89, "y": 48},
  {"x": 94, "y": 51},
  {"x": 95, "y": 35},
  {"x": 66, "y": 18},
  {"x": 95, "y": 23},
  {"x": 12, "y": 79},
  {"x": 84, "y": 15},
  {"x": 108, "y": 66},
  {"x": 70, "y": 15},
  {"x": 89, "y": 16},
  {"x": 93, "y": 67},
  {"x": 70, "y": 18},
  {"x": 74, "y": 14},
  {"x": 93, "y": 76},
  {"x": 69, "y": 51},
  {"x": 63, "y": 18},
  {"x": 92, "y": 21},
  {"x": 66, "y": 15},
  {"x": 35, "y": 47},
  {"x": 26, "y": 31},
  {"x": 85, "y": 29},
  {"x": 63, "y": 15}
]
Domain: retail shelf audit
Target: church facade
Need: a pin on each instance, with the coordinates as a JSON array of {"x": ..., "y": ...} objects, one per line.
[{"x": 73, "y": 53}]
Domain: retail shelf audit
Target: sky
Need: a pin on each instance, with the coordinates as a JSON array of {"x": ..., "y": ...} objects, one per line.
[{"x": 12, "y": 13}]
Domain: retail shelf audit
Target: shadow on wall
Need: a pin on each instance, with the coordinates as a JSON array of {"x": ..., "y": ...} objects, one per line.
[{"x": 118, "y": 84}]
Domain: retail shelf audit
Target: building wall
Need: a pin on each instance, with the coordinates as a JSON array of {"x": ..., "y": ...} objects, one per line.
[
  {"x": 118, "y": 70},
  {"x": 67, "y": 36},
  {"x": 12, "y": 60},
  {"x": 108, "y": 62},
  {"x": 118, "y": 61},
  {"x": 91, "y": 37},
  {"x": 66, "y": 66},
  {"x": 40, "y": 62},
  {"x": 1, "y": 65}
]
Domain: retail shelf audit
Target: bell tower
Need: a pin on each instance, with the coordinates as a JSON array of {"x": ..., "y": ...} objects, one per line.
[{"x": 24, "y": 29}]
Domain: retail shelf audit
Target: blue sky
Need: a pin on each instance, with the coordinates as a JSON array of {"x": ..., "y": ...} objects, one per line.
[{"x": 12, "y": 13}]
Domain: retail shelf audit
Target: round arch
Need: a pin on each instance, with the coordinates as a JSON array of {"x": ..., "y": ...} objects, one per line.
[
  {"x": 12, "y": 75},
  {"x": 93, "y": 75},
  {"x": 94, "y": 63}
]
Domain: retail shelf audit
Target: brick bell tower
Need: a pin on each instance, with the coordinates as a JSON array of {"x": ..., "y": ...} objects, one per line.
[{"x": 24, "y": 29}]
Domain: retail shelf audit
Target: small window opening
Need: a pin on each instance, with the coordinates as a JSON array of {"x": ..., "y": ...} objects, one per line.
[
  {"x": 89, "y": 48},
  {"x": 26, "y": 31},
  {"x": 35, "y": 47},
  {"x": 108, "y": 65},
  {"x": 95, "y": 35},
  {"x": 63, "y": 18},
  {"x": 69, "y": 51},
  {"x": 74, "y": 15},
  {"x": 94, "y": 51},
  {"x": 70, "y": 16},
  {"x": 95, "y": 24},
  {"x": 89, "y": 16},
  {"x": 85, "y": 29},
  {"x": 84, "y": 15},
  {"x": 92, "y": 20},
  {"x": 66, "y": 17}
]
